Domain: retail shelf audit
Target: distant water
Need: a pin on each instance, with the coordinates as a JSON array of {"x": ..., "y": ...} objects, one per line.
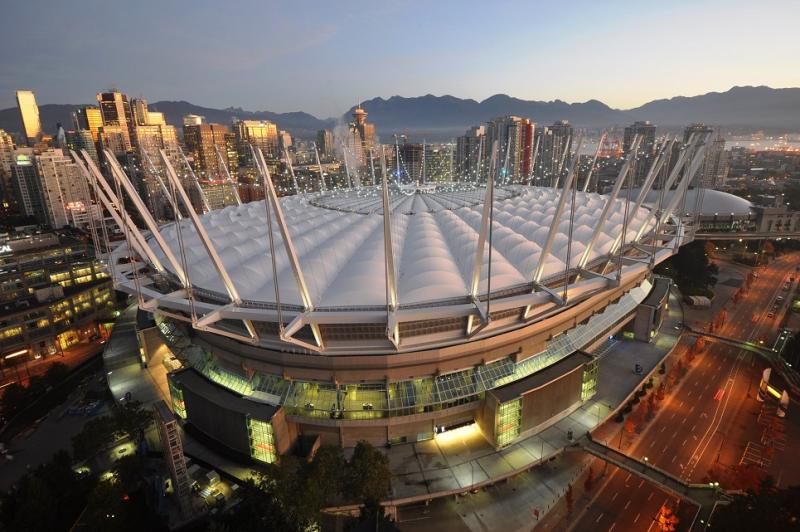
[{"x": 765, "y": 144}]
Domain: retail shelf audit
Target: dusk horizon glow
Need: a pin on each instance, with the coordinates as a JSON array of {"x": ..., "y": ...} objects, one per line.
[{"x": 324, "y": 59}]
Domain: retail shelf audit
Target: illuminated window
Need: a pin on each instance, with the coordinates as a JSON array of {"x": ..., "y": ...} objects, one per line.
[
  {"x": 508, "y": 421},
  {"x": 589, "y": 382},
  {"x": 178, "y": 406},
  {"x": 262, "y": 441}
]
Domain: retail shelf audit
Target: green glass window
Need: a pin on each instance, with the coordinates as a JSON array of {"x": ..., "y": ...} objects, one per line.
[
  {"x": 508, "y": 421},
  {"x": 262, "y": 441}
]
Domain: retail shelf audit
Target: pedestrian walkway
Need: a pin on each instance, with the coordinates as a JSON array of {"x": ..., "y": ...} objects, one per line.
[
  {"x": 748, "y": 346},
  {"x": 702, "y": 495},
  {"x": 462, "y": 460}
]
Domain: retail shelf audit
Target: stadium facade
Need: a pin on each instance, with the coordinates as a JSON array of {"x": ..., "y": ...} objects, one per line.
[{"x": 389, "y": 312}]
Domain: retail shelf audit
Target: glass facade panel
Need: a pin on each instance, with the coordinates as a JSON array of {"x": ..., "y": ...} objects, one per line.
[
  {"x": 178, "y": 406},
  {"x": 589, "y": 383},
  {"x": 508, "y": 421},
  {"x": 262, "y": 441}
]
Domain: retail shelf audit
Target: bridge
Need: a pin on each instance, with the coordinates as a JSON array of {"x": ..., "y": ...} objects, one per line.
[
  {"x": 706, "y": 497},
  {"x": 762, "y": 235},
  {"x": 773, "y": 358},
  {"x": 734, "y": 342}
]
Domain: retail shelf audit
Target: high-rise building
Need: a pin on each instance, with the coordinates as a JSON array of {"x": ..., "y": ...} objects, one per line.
[
  {"x": 115, "y": 108},
  {"x": 408, "y": 163},
  {"x": 6, "y": 152},
  {"x": 193, "y": 120},
  {"x": 7, "y": 198},
  {"x": 325, "y": 144},
  {"x": 114, "y": 138},
  {"x": 91, "y": 119},
  {"x": 64, "y": 191},
  {"x": 553, "y": 144},
  {"x": 150, "y": 140},
  {"x": 29, "y": 116},
  {"x": 203, "y": 142},
  {"x": 82, "y": 140},
  {"x": 514, "y": 136},
  {"x": 261, "y": 134},
  {"x": 361, "y": 137},
  {"x": 438, "y": 162},
  {"x": 284, "y": 141},
  {"x": 469, "y": 155},
  {"x": 646, "y": 152},
  {"x": 715, "y": 165},
  {"x": 25, "y": 182}
]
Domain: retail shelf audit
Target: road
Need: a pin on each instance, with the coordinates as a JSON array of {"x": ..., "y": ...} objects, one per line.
[
  {"x": 73, "y": 357},
  {"x": 697, "y": 422}
]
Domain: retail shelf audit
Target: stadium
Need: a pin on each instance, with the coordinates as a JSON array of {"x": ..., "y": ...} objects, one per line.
[{"x": 390, "y": 313}]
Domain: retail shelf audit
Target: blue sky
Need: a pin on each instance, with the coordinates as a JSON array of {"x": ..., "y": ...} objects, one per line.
[{"x": 321, "y": 57}]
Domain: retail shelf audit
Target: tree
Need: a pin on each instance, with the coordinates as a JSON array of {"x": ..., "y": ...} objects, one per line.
[
  {"x": 569, "y": 499},
  {"x": 588, "y": 484},
  {"x": 48, "y": 498},
  {"x": 95, "y": 436},
  {"x": 369, "y": 475},
  {"x": 15, "y": 398},
  {"x": 667, "y": 520},
  {"x": 691, "y": 269},
  {"x": 661, "y": 391},
  {"x": 56, "y": 373},
  {"x": 630, "y": 425},
  {"x": 770, "y": 509},
  {"x": 131, "y": 419}
]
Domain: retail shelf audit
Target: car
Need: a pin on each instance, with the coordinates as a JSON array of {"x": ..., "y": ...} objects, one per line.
[
  {"x": 779, "y": 299},
  {"x": 771, "y": 315}
]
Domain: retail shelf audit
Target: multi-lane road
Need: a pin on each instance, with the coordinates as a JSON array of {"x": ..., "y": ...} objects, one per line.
[{"x": 701, "y": 422}]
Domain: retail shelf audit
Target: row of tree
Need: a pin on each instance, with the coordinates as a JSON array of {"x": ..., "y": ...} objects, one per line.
[
  {"x": 292, "y": 493},
  {"x": 16, "y": 396}
]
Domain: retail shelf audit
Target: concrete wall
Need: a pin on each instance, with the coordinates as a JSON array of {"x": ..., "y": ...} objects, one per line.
[{"x": 548, "y": 401}]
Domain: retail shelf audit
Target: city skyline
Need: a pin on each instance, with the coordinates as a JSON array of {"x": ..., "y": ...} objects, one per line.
[{"x": 323, "y": 59}]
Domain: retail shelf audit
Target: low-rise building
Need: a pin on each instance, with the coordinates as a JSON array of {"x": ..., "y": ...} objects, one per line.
[{"x": 53, "y": 294}]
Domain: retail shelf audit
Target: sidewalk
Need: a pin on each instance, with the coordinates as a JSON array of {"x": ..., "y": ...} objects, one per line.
[
  {"x": 452, "y": 464},
  {"x": 459, "y": 460}
]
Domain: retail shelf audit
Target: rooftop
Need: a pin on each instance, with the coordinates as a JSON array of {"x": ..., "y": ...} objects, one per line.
[{"x": 339, "y": 242}]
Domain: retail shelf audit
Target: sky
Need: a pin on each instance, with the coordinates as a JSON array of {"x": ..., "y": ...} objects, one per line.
[{"x": 322, "y": 57}]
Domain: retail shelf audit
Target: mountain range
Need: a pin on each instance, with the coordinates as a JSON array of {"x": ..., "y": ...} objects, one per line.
[{"x": 443, "y": 117}]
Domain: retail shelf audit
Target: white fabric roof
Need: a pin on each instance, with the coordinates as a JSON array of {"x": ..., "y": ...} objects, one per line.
[
  {"x": 713, "y": 202},
  {"x": 434, "y": 236}
]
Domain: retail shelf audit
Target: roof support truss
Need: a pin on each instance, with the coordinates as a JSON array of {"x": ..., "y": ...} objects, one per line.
[
  {"x": 601, "y": 222},
  {"x": 272, "y": 197},
  {"x": 208, "y": 245},
  {"x": 151, "y": 224},
  {"x": 480, "y": 250}
]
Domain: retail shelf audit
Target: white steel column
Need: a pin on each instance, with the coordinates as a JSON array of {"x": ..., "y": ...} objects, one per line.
[
  {"x": 601, "y": 222},
  {"x": 684, "y": 184},
  {"x": 272, "y": 197},
  {"x": 661, "y": 157},
  {"x": 196, "y": 182},
  {"x": 594, "y": 161},
  {"x": 110, "y": 204},
  {"x": 211, "y": 251},
  {"x": 676, "y": 170},
  {"x": 291, "y": 172},
  {"x": 534, "y": 154},
  {"x": 392, "y": 326},
  {"x": 229, "y": 178},
  {"x": 551, "y": 235},
  {"x": 477, "y": 266},
  {"x": 146, "y": 216},
  {"x": 323, "y": 188}
]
